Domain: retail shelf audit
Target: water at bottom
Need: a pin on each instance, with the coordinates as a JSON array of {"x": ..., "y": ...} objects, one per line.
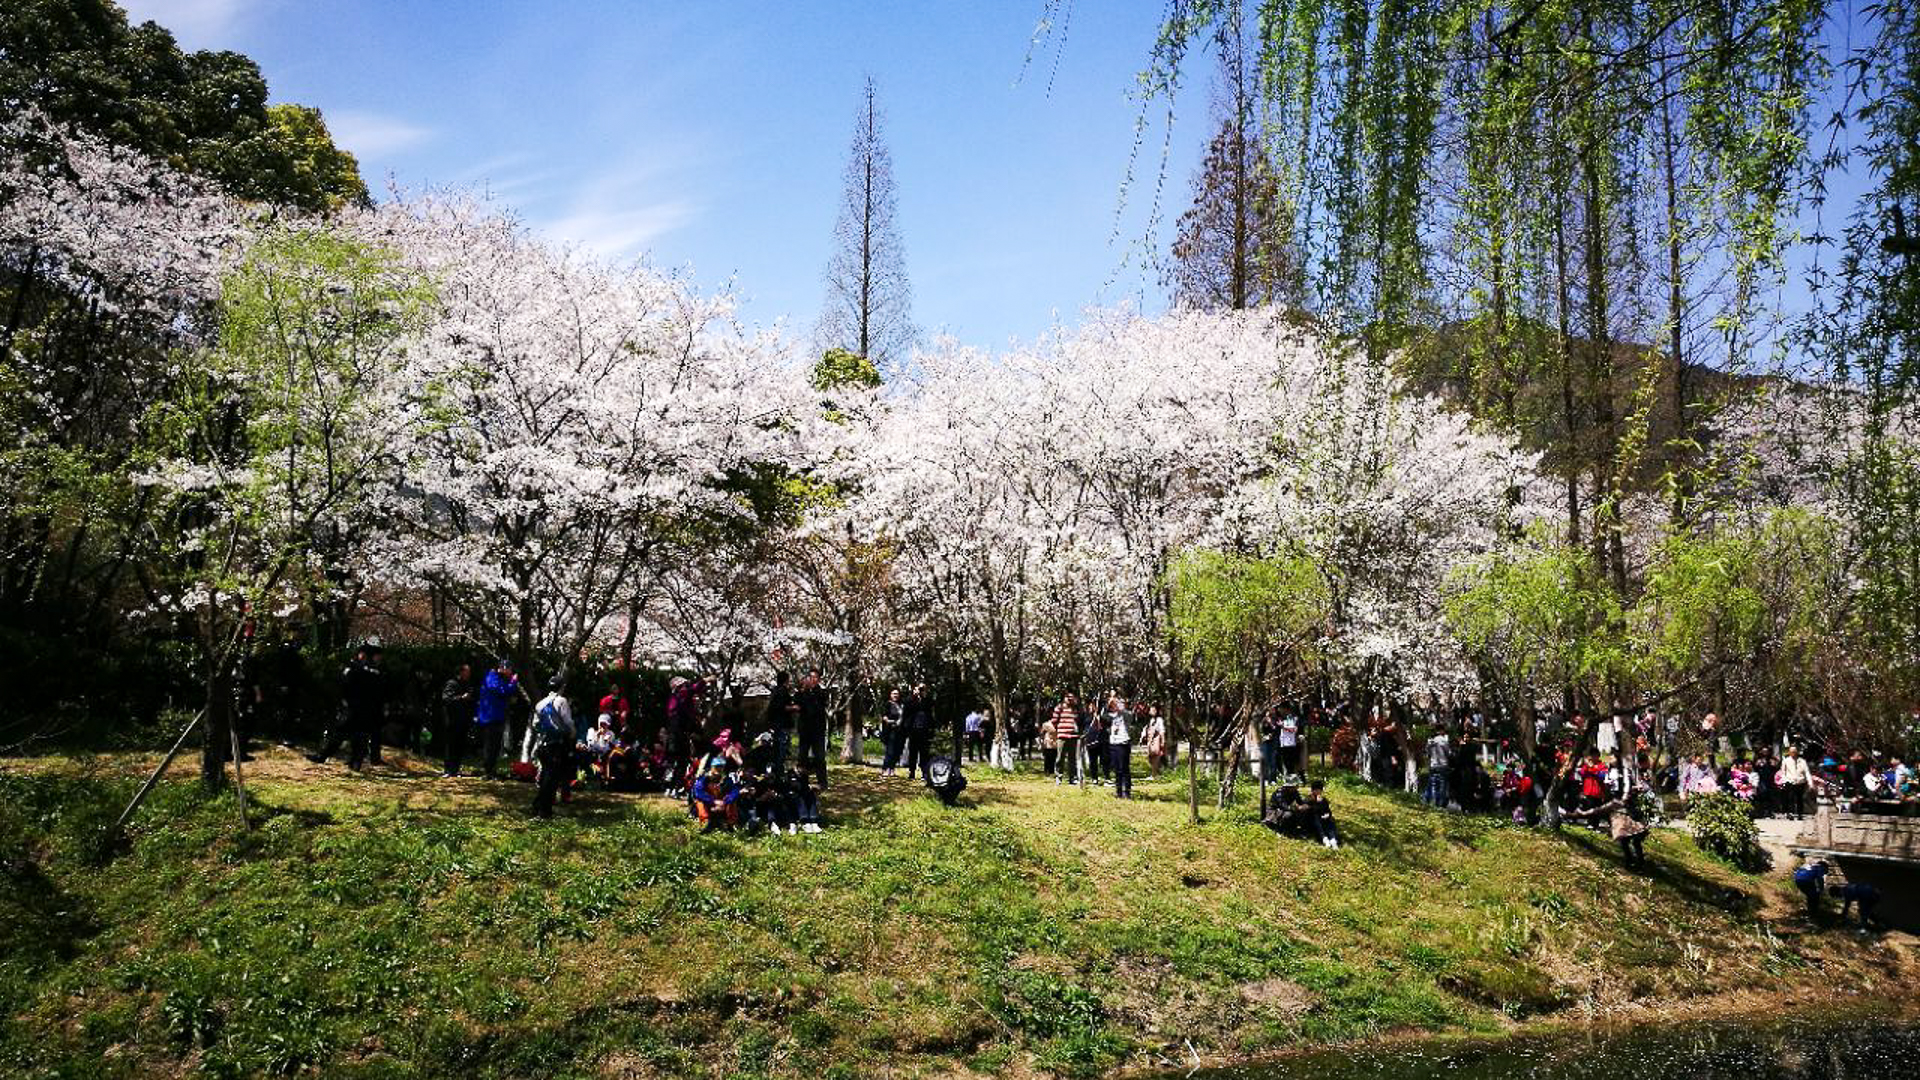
[{"x": 1812, "y": 1047}]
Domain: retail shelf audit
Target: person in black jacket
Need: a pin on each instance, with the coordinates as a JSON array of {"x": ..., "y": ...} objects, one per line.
[
  {"x": 1093, "y": 739},
  {"x": 780, "y": 715},
  {"x": 919, "y": 729},
  {"x": 893, "y": 727},
  {"x": 811, "y": 708},
  {"x": 1320, "y": 815},
  {"x": 456, "y": 716},
  {"x": 363, "y": 692}
]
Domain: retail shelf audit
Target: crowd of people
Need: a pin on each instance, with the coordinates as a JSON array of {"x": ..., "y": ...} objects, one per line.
[
  {"x": 774, "y": 779},
  {"x": 723, "y": 782}
]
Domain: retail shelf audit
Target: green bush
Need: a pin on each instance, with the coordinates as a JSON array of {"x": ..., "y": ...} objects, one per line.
[{"x": 1723, "y": 827}]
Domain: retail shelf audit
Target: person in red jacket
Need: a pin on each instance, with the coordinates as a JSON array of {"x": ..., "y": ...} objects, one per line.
[{"x": 1593, "y": 782}]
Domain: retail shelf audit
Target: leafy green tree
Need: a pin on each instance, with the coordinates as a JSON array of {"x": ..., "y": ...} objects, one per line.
[
  {"x": 269, "y": 461},
  {"x": 205, "y": 112},
  {"x": 838, "y": 369},
  {"x": 1245, "y": 627},
  {"x": 1538, "y": 621},
  {"x": 304, "y": 166}
]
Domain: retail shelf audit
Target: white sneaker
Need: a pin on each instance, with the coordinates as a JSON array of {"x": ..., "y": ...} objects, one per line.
[
  {"x": 813, "y": 826},
  {"x": 1326, "y": 841}
]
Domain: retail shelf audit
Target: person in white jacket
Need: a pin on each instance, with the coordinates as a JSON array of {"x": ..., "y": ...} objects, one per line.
[{"x": 1794, "y": 778}]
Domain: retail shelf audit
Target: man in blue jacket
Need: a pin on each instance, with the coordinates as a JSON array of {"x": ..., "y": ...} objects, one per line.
[{"x": 490, "y": 713}]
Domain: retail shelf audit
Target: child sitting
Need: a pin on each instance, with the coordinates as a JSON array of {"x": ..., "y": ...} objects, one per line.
[
  {"x": 1320, "y": 812},
  {"x": 714, "y": 798}
]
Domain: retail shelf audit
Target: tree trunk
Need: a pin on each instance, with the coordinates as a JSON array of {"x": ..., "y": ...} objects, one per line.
[
  {"x": 853, "y": 734},
  {"x": 219, "y": 725},
  {"x": 1001, "y": 756},
  {"x": 1193, "y": 779}
]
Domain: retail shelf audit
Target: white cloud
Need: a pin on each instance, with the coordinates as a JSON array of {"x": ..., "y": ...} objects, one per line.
[
  {"x": 196, "y": 24},
  {"x": 618, "y": 232},
  {"x": 369, "y": 134},
  {"x": 617, "y": 213}
]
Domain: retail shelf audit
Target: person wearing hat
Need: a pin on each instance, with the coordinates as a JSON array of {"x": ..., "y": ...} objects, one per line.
[
  {"x": 555, "y": 741},
  {"x": 363, "y": 699},
  {"x": 1287, "y": 813}
]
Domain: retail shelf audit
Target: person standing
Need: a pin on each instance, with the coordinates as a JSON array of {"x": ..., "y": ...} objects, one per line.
[
  {"x": 976, "y": 725},
  {"x": 1120, "y": 748},
  {"x": 1766, "y": 783},
  {"x": 1093, "y": 743},
  {"x": 1049, "y": 750},
  {"x": 554, "y": 743},
  {"x": 614, "y": 706},
  {"x": 490, "y": 714},
  {"x": 363, "y": 693},
  {"x": 810, "y": 707},
  {"x": 1269, "y": 732},
  {"x": 919, "y": 728},
  {"x": 1438, "y": 760},
  {"x": 1289, "y": 738},
  {"x": 1066, "y": 734},
  {"x": 781, "y": 710},
  {"x": 683, "y": 719},
  {"x": 893, "y": 726},
  {"x": 1156, "y": 741},
  {"x": 456, "y": 716},
  {"x": 1794, "y": 778}
]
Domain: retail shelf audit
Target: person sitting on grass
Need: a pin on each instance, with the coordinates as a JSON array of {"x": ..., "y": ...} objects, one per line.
[
  {"x": 715, "y": 801},
  {"x": 706, "y": 763},
  {"x": 1320, "y": 814},
  {"x": 1857, "y": 893},
  {"x": 1287, "y": 814},
  {"x": 804, "y": 798},
  {"x": 1516, "y": 793},
  {"x": 658, "y": 767},
  {"x": 600, "y": 744},
  {"x": 765, "y": 800}
]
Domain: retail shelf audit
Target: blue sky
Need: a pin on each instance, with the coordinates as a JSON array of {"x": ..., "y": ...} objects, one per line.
[{"x": 712, "y": 135}]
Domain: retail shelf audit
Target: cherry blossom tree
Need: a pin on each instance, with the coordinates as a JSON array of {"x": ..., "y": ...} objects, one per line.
[{"x": 582, "y": 421}]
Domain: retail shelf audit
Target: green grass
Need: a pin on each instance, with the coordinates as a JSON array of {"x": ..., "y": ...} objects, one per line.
[{"x": 404, "y": 926}]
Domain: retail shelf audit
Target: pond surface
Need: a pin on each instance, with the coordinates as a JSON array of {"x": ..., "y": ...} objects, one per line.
[{"x": 1858, "y": 1047}]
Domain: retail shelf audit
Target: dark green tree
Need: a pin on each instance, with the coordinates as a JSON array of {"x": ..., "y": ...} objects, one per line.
[{"x": 206, "y": 112}]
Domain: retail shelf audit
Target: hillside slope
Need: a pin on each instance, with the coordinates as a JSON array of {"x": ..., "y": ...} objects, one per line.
[{"x": 400, "y": 925}]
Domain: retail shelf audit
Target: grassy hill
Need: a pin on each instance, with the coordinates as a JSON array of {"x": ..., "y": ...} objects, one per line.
[{"x": 401, "y": 925}]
